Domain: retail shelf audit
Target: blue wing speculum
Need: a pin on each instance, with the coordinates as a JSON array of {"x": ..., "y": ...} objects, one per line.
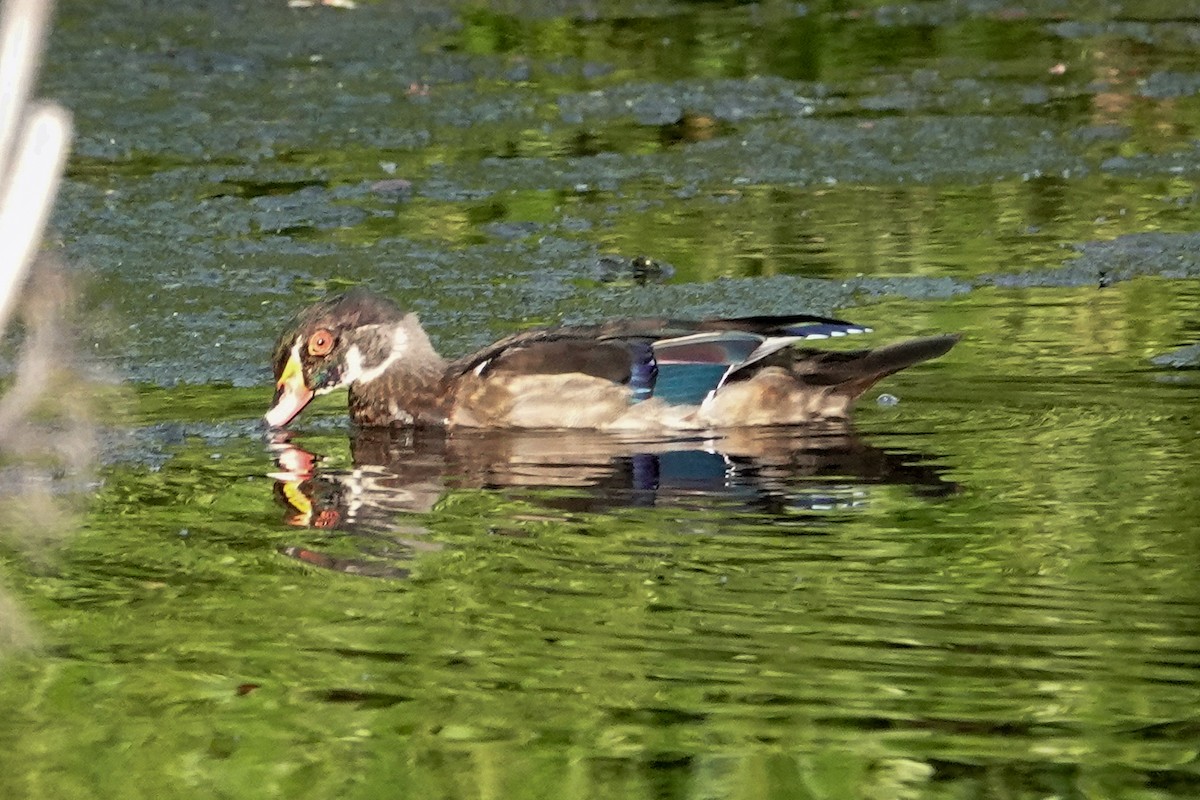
[{"x": 683, "y": 370}]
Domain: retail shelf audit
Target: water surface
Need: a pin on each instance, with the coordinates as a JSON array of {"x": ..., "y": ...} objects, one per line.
[{"x": 985, "y": 590}]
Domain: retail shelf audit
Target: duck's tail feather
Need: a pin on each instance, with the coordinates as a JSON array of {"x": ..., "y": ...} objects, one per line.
[{"x": 856, "y": 371}]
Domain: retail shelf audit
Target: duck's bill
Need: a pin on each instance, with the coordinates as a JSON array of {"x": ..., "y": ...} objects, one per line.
[
  {"x": 291, "y": 396},
  {"x": 289, "y": 402}
]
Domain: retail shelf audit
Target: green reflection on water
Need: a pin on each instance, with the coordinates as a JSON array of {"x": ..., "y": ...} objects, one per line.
[
  {"x": 1031, "y": 633},
  {"x": 835, "y": 231}
]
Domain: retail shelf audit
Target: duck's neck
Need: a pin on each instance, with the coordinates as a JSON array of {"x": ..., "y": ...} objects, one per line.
[{"x": 398, "y": 376}]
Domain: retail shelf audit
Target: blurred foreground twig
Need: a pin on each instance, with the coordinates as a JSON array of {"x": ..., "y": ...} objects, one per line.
[{"x": 34, "y": 139}]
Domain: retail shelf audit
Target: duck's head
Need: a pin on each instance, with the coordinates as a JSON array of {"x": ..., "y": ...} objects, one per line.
[{"x": 340, "y": 340}]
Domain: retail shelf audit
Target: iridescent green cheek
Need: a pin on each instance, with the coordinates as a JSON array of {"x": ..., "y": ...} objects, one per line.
[{"x": 326, "y": 378}]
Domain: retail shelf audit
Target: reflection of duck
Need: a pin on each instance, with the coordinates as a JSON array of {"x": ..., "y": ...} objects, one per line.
[
  {"x": 632, "y": 375},
  {"x": 766, "y": 471}
]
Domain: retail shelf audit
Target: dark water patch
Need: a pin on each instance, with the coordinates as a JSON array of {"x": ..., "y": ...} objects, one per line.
[
  {"x": 362, "y": 699},
  {"x": 153, "y": 446},
  {"x": 816, "y": 152},
  {"x": 1179, "y": 162},
  {"x": 1162, "y": 27},
  {"x": 1170, "y": 255},
  {"x": 1186, "y": 357},
  {"x": 1171, "y": 84},
  {"x": 302, "y": 214},
  {"x": 256, "y": 189},
  {"x": 929, "y": 92},
  {"x": 662, "y": 104}
]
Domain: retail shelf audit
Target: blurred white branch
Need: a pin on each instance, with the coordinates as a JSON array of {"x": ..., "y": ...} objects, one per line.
[{"x": 34, "y": 139}]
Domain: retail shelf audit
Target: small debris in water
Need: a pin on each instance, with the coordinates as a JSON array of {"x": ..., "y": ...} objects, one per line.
[{"x": 640, "y": 269}]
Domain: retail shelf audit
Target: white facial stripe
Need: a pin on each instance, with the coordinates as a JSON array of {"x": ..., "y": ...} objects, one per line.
[
  {"x": 354, "y": 364},
  {"x": 357, "y": 372}
]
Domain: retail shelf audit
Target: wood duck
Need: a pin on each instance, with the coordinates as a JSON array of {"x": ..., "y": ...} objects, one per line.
[{"x": 643, "y": 375}]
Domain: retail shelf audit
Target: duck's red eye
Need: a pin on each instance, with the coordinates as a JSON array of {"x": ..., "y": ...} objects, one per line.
[{"x": 320, "y": 343}]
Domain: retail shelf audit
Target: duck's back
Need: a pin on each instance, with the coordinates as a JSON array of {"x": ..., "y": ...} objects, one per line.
[{"x": 668, "y": 374}]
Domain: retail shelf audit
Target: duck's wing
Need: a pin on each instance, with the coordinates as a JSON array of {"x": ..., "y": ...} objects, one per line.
[
  {"x": 552, "y": 351},
  {"x": 687, "y": 368},
  {"x": 805, "y": 326},
  {"x": 679, "y": 361},
  {"x": 692, "y": 365}
]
